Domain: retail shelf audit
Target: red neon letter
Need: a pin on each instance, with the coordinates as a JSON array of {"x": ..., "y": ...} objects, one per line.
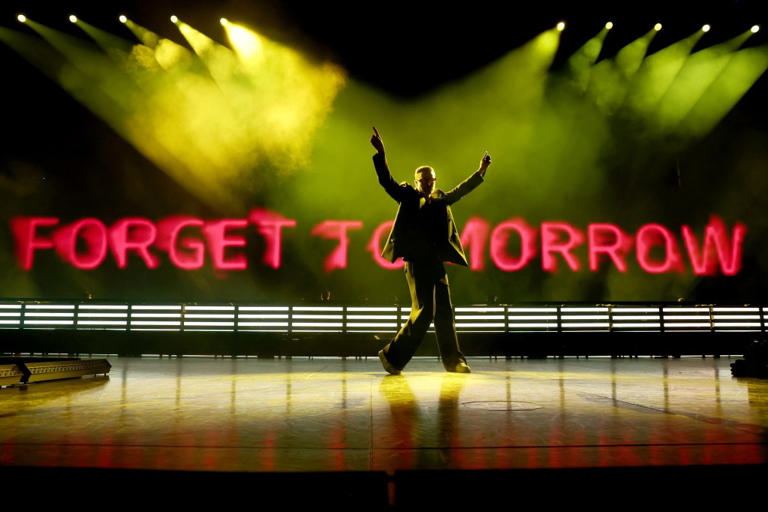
[
  {"x": 94, "y": 232},
  {"x": 269, "y": 225},
  {"x": 168, "y": 231},
  {"x": 500, "y": 238},
  {"x": 474, "y": 236},
  {"x": 375, "y": 247},
  {"x": 656, "y": 234},
  {"x": 608, "y": 239},
  {"x": 218, "y": 241},
  {"x": 24, "y": 231},
  {"x": 717, "y": 247},
  {"x": 550, "y": 244},
  {"x": 336, "y": 229},
  {"x": 133, "y": 234}
]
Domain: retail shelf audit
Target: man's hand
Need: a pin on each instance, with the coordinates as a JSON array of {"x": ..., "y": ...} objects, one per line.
[
  {"x": 376, "y": 141},
  {"x": 484, "y": 163}
]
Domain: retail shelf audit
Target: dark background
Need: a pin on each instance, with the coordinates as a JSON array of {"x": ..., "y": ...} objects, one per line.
[{"x": 59, "y": 159}]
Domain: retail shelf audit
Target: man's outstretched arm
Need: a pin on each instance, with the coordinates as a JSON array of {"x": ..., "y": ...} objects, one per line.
[
  {"x": 382, "y": 169},
  {"x": 469, "y": 184}
]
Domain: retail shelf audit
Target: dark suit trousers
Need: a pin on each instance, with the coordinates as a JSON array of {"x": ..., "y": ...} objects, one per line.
[{"x": 430, "y": 299}]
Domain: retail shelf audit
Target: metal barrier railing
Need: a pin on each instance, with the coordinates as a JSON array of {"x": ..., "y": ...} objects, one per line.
[{"x": 618, "y": 317}]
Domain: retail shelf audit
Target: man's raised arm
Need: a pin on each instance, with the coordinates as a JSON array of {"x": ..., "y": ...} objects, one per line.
[
  {"x": 469, "y": 184},
  {"x": 382, "y": 169}
]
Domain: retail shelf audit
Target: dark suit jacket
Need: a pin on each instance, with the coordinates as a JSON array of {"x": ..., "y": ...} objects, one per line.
[{"x": 400, "y": 241}]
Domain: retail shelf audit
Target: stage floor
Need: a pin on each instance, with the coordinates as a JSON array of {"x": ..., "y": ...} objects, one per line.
[{"x": 337, "y": 415}]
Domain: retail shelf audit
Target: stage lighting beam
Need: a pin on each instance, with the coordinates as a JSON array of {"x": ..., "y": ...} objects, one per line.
[
  {"x": 755, "y": 28},
  {"x": 609, "y": 25},
  {"x": 561, "y": 26},
  {"x": 21, "y": 18},
  {"x": 224, "y": 22},
  {"x": 246, "y": 43},
  {"x": 174, "y": 19},
  {"x": 657, "y": 27},
  {"x": 73, "y": 18},
  {"x": 705, "y": 28},
  {"x": 122, "y": 18}
]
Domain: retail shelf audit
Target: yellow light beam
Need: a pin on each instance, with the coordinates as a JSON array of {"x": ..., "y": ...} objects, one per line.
[
  {"x": 741, "y": 72},
  {"x": 34, "y": 50},
  {"x": 115, "y": 46},
  {"x": 700, "y": 70},
  {"x": 609, "y": 80},
  {"x": 247, "y": 44},
  {"x": 146, "y": 36},
  {"x": 630, "y": 58},
  {"x": 656, "y": 74},
  {"x": 582, "y": 59}
]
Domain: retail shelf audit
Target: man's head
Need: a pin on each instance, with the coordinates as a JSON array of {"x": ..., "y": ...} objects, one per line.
[{"x": 424, "y": 179}]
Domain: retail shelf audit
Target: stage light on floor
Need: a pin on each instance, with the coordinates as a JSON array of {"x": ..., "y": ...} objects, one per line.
[
  {"x": 754, "y": 29},
  {"x": 224, "y": 22},
  {"x": 21, "y": 18},
  {"x": 609, "y": 25},
  {"x": 174, "y": 19},
  {"x": 73, "y": 18},
  {"x": 705, "y": 28},
  {"x": 122, "y": 18},
  {"x": 657, "y": 27},
  {"x": 561, "y": 26}
]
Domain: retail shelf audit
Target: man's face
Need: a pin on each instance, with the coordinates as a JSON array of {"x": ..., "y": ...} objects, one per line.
[{"x": 425, "y": 181}]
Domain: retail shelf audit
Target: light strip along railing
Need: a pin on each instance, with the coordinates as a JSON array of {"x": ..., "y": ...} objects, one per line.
[
  {"x": 687, "y": 318},
  {"x": 32, "y": 314},
  {"x": 317, "y": 319},
  {"x": 48, "y": 316},
  {"x": 209, "y": 318},
  {"x": 371, "y": 319},
  {"x": 635, "y": 319},
  {"x": 480, "y": 319},
  {"x": 532, "y": 319},
  {"x": 734, "y": 319},
  {"x": 10, "y": 316},
  {"x": 263, "y": 318},
  {"x": 159, "y": 317},
  {"x": 584, "y": 318},
  {"x": 102, "y": 316}
]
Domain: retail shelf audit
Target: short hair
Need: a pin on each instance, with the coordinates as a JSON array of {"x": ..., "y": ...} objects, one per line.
[{"x": 423, "y": 169}]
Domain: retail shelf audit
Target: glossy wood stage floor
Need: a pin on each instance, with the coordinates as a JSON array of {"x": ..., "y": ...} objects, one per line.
[{"x": 347, "y": 415}]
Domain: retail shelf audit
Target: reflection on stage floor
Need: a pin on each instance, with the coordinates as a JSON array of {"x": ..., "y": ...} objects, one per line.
[{"x": 333, "y": 414}]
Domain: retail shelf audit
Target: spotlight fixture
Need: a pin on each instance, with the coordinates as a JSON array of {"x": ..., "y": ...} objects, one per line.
[
  {"x": 122, "y": 18},
  {"x": 705, "y": 28},
  {"x": 21, "y": 18},
  {"x": 73, "y": 18},
  {"x": 224, "y": 22},
  {"x": 174, "y": 19},
  {"x": 755, "y": 28},
  {"x": 609, "y": 25},
  {"x": 561, "y": 26},
  {"x": 657, "y": 27}
]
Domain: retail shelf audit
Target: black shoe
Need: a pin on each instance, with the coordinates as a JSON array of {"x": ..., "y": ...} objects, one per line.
[
  {"x": 460, "y": 367},
  {"x": 386, "y": 364}
]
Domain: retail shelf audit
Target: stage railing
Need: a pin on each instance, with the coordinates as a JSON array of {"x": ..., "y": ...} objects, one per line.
[{"x": 26, "y": 314}]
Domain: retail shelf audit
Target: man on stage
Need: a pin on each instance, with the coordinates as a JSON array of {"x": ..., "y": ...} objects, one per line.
[{"x": 425, "y": 235}]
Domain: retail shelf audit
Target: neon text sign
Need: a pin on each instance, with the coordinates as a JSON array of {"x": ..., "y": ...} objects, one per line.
[{"x": 188, "y": 241}]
